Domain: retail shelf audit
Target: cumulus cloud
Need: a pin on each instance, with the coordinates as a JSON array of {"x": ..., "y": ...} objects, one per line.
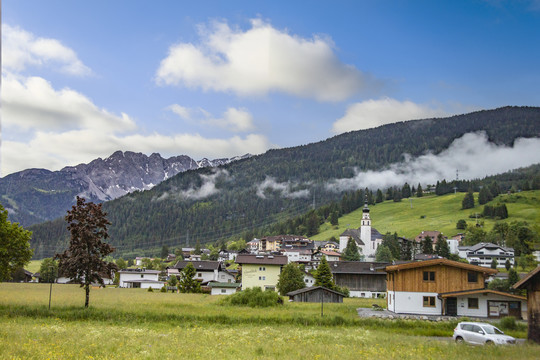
[
  {"x": 472, "y": 154},
  {"x": 33, "y": 103},
  {"x": 372, "y": 113},
  {"x": 208, "y": 186},
  {"x": 22, "y": 49},
  {"x": 233, "y": 119},
  {"x": 285, "y": 188},
  {"x": 260, "y": 60}
]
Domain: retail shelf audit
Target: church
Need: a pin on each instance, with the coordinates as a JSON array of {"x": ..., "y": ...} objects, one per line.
[{"x": 367, "y": 238}]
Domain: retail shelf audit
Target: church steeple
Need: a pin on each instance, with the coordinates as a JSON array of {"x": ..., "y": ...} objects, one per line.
[{"x": 365, "y": 228}]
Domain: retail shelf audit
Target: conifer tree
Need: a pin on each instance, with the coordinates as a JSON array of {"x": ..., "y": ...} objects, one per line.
[
  {"x": 441, "y": 247},
  {"x": 351, "y": 252},
  {"x": 468, "y": 201},
  {"x": 187, "y": 283},
  {"x": 406, "y": 191},
  {"x": 334, "y": 218},
  {"x": 290, "y": 279},
  {"x": 427, "y": 245},
  {"x": 383, "y": 254},
  {"x": 323, "y": 276},
  {"x": 419, "y": 191},
  {"x": 379, "y": 197}
]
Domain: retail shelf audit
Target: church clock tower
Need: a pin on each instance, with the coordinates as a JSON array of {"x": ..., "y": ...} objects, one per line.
[{"x": 365, "y": 228}]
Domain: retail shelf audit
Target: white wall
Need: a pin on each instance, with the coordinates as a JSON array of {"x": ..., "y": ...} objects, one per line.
[
  {"x": 412, "y": 303},
  {"x": 482, "y": 311},
  {"x": 219, "y": 291},
  {"x": 136, "y": 276},
  {"x": 365, "y": 294}
]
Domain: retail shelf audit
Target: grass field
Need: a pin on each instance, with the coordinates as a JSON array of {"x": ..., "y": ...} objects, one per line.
[
  {"x": 136, "y": 324},
  {"x": 410, "y": 216}
]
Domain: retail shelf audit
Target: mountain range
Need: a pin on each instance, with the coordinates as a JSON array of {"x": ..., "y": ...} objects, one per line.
[
  {"x": 36, "y": 195},
  {"x": 246, "y": 197}
]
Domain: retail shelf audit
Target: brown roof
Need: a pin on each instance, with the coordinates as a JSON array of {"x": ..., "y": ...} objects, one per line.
[
  {"x": 432, "y": 234},
  {"x": 417, "y": 264},
  {"x": 330, "y": 253},
  {"x": 261, "y": 259},
  {"x": 313, "y": 288},
  {"x": 481, "y": 291},
  {"x": 523, "y": 282}
]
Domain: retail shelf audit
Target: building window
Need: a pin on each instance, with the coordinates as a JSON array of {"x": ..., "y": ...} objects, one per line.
[
  {"x": 199, "y": 275},
  {"x": 262, "y": 268},
  {"x": 429, "y": 301},
  {"x": 472, "y": 303},
  {"x": 262, "y": 277},
  {"x": 223, "y": 291},
  {"x": 429, "y": 275},
  {"x": 472, "y": 277}
]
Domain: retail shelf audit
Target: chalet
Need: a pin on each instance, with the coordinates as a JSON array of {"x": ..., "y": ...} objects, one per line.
[
  {"x": 297, "y": 255},
  {"x": 261, "y": 270},
  {"x": 140, "y": 278},
  {"x": 330, "y": 256},
  {"x": 253, "y": 245},
  {"x": 326, "y": 245},
  {"x": 531, "y": 282},
  {"x": 424, "y": 234},
  {"x": 367, "y": 238},
  {"x": 316, "y": 294},
  {"x": 446, "y": 287},
  {"x": 309, "y": 279},
  {"x": 206, "y": 271},
  {"x": 483, "y": 254},
  {"x": 363, "y": 279},
  {"x": 223, "y": 288}
]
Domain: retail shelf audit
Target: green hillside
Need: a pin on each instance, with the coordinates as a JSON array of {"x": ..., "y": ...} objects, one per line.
[{"x": 410, "y": 216}]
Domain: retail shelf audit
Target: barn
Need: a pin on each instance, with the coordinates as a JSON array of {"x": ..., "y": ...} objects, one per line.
[
  {"x": 316, "y": 294},
  {"x": 531, "y": 282}
]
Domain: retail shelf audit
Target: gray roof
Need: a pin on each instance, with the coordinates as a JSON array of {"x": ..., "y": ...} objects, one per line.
[
  {"x": 484, "y": 245},
  {"x": 214, "y": 284},
  {"x": 356, "y": 267},
  {"x": 313, "y": 288},
  {"x": 198, "y": 265},
  {"x": 261, "y": 259}
]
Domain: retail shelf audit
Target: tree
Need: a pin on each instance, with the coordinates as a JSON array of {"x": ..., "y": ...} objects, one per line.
[
  {"x": 419, "y": 191},
  {"x": 290, "y": 279},
  {"x": 392, "y": 243},
  {"x": 121, "y": 263},
  {"x": 441, "y": 247},
  {"x": 494, "y": 263},
  {"x": 406, "y": 191},
  {"x": 83, "y": 261},
  {"x": 351, "y": 252},
  {"x": 187, "y": 283},
  {"x": 379, "y": 196},
  {"x": 48, "y": 270},
  {"x": 427, "y": 245},
  {"x": 468, "y": 201},
  {"x": 197, "y": 250},
  {"x": 484, "y": 196},
  {"x": 164, "y": 251},
  {"x": 173, "y": 280},
  {"x": 513, "y": 277},
  {"x": 397, "y": 196},
  {"x": 461, "y": 224},
  {"x": 334, "y": 218},
  {"x": 15, "y": 251},
  {"x": 507, "y": 265},
  {"x": 383, "y": 254},
  {"x": 323, "y": 276},
  {"x": 312, "y": 224}
]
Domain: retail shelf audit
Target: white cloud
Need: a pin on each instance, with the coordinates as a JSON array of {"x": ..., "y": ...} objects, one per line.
[
  {"x": 372, "y": 113},
  {"x": 32, "y": 103},
  {"x": 21, "y": 49},
  {"x": 472, "y": 154},
  {"x": 260, "y": 60},
  {"x": 234, "y": 120},
  {"x": 208, "y": 186},
  {"x": 285, "y": 188}
]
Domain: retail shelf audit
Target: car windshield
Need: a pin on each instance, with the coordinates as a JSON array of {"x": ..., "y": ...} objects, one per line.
[{"x": 492, "y": 330}]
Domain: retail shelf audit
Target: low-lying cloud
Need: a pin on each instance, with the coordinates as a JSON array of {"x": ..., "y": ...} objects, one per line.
[
  {"x": 472, "y": 155},
  {"x": 208, "y": 186},
  {"x": 286, "y": 189}
]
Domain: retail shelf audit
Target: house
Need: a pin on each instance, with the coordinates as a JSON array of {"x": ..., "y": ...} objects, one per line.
[
  {"x": 297, "y": 255},
  {"x": 482, "y": 254},
  {"x": 140, "y": 278},
  {"x": 223, "y": 288},
  {"x": 531, "y": 282},
  {"x": 276, "y": 243},
  {"x": 330, "y": 256},
  {"x": 363, "y": 279},
  {"x": 454, "y": 242},
  {"x": 317, "y": 294},
  {"x": 206, "y": 271},
  {"x": 261, "y": 270},
  {"x": 253, "y": 245},
  {"x": 446, "y": 287},
  {"x": 326, "y": 245},
  {"x": 367, "y": 238},
  {"x": 309, "y": 279},
  {"x": 419, "y": 239}
]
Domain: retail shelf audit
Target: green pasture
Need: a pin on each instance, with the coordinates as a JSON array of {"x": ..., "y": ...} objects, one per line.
[
  {"x": 410, "y": 216},
  {"x": 137, "y": 324}
]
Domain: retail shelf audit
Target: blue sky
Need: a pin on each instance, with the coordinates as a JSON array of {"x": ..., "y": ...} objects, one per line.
[{"x": 81, "y": 80}]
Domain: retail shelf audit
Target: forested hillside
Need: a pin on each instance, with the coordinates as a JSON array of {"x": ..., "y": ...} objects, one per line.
[{"x": 234, "y": 199}]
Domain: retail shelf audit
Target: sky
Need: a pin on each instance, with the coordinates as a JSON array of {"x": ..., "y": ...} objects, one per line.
[{"x": 214, "y": 79}]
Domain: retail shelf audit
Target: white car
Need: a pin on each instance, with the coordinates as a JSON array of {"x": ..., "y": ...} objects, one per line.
[{"x": 481, "y": 333}]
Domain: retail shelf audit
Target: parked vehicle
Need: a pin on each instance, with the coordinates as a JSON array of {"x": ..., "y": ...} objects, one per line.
[{"x": 481, "y": 333}]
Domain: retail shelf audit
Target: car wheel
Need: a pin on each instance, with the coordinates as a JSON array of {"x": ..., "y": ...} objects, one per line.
[
  {"x": 489, "y": 342},
  {"x": 459, "y": 340}
]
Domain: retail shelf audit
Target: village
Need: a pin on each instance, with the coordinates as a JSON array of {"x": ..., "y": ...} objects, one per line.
[{"x": 427, "y": 286}]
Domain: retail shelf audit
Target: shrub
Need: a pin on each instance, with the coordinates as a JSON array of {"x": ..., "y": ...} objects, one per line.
[
  {"x": 254, "y": 297},
  {"x": 150, "y": 289},
  {"x": 508, "y": 323},
  {"x": 163, "y": 289}
]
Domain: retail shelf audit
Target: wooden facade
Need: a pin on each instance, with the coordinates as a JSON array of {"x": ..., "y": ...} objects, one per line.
[
  {"x": 316, "y": 294},
  {"x": 362, "y": 282},
  {"x": 448, "y": 276},
  {"x": 531, "y": 282}
]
